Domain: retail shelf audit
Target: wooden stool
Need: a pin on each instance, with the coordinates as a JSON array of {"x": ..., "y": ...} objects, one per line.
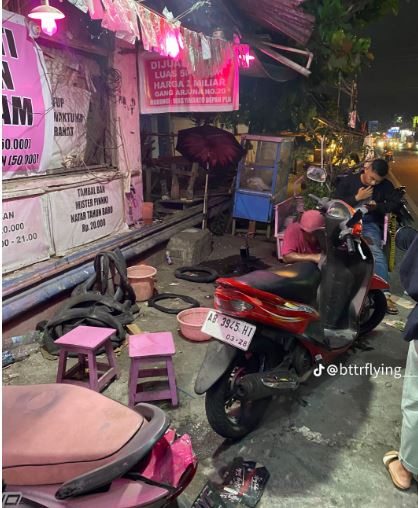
[
  {"x": 151, "y": 349},
  {"x": 85, "y": 341}
]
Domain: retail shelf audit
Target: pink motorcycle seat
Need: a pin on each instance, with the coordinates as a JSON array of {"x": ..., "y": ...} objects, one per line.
[{"x": 55, "y": 432}]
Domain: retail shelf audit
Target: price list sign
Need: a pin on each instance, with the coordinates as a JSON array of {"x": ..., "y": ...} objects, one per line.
[{"x": 24, "y": 240}]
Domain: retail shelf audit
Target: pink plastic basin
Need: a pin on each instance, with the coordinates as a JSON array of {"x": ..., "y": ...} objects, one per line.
[
  {"x": 191, "y": 321},
  {"x": 142, "y": 279}
]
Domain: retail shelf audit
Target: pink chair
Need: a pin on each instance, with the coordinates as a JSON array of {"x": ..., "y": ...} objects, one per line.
[
  {"x": 85, "y": 341},
  {"x": 151, "y": 349},
  {"x": 385, "y": 229},
  {"x": 285, "y": 213}
]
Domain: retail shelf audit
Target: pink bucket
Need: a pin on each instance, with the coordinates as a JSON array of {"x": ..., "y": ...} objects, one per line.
[
  {"x": 147, "y": 212},
  {"x": 142, "y": 279},
  {"x": 191, "y": 322}
]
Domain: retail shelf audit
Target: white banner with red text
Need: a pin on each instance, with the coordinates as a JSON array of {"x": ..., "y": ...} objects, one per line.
[{"x": 83, "y": 214}]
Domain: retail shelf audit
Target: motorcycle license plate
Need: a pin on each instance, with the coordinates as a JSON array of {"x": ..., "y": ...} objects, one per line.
[{"x": 233, "y": 331}]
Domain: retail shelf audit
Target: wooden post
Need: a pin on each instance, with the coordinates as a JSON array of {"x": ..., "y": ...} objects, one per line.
[
  {"x": 252, "y": 227},
  {"x": 175, "y": 190},
  {"x": 192, "y": 179},
  {"x": 148, "y": 180}
]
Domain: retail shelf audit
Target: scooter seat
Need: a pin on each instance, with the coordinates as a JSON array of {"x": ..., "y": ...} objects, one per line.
[
  {"x": 297, "y": 282},
  {"x": 55, "y": 432}
]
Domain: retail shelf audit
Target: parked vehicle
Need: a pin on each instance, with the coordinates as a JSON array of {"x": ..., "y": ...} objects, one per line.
[
  {"x": 275, "y": 327},
  {"x": 399, "y": 218},
  {"x": 410, "y": 143},
  {"x": 405, "y": 237},
  {"x": 388, "y": 155},
  {"x": 68, "y": 446}
]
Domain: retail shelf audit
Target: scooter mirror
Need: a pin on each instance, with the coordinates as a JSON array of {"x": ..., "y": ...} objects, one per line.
[
  {"x": 404, "y": 237},
  {"x": 316, "y": 174}
]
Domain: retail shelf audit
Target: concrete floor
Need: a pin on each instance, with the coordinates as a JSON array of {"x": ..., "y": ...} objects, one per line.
[{"x": 323, "y": 445}]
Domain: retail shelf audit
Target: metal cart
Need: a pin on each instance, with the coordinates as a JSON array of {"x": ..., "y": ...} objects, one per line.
[{"x": 262, "y": 178}]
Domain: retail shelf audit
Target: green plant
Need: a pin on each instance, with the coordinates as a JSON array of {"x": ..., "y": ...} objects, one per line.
[
  {"x": 319, "y": 190},
  {"x": 339, "y": 54},
  {"x": 339, "y": 50}
]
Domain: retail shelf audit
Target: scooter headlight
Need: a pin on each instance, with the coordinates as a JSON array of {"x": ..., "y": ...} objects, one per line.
[{"x": 339, "y": 210}]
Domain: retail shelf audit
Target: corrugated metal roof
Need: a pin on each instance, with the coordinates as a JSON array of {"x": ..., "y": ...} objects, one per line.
[
  {"x": 260, "y": 69},
  {"x": 283, "y": 16}
]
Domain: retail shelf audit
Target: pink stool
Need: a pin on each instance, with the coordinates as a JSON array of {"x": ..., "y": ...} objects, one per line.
[
  {"x": 151, "y": 349},
  {"x": 85, "y": 341}
]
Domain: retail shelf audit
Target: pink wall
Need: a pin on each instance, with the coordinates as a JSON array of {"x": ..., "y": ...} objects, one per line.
[{"x": 127, "y": 115}]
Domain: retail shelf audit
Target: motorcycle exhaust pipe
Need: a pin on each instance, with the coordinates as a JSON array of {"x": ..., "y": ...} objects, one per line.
[{"x": 264, "y": 384}]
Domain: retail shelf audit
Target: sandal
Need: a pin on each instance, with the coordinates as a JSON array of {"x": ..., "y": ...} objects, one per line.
[
  {"x": 388, "y": 458},
  {"x": 391, "y": 306}
]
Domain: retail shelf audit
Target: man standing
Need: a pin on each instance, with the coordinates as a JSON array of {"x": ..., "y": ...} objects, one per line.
[
  {"x": 371, "y": 188},
  {"x": 403, "y": 465}
]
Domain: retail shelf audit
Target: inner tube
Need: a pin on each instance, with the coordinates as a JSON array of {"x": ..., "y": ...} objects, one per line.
[
  {"x": 206, "y": 274},
  {"x": 165, "y": 296}
]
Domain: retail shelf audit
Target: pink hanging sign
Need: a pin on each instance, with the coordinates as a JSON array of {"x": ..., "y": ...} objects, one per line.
[
  {"x": 26, "y": 101},
  {"x": 167, "y": 86}
]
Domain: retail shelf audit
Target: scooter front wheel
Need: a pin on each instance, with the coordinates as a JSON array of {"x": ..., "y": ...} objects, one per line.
[
  {"x": 373, "y": 312},
  {"x": 229, "y": 416}
]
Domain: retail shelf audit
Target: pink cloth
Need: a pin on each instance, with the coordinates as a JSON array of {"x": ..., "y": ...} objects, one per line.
[
  {"x": 169, "y": 459},
  {"x": 295, "y": 241}
]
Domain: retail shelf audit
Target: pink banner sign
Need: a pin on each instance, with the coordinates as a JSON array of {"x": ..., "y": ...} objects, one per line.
[
  {"x": 24, "y": 100},
  {"x": 167, "y": 87}
]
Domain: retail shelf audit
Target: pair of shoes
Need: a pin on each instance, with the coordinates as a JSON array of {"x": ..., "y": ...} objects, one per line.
[
  {"x": 391, "y": 305},
  {"x": 390, "y": 459}
]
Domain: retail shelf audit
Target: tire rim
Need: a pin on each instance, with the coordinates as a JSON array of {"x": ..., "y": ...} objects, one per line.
[
  {"x": 236, "y": 408},
  {"x": 233, "y": 405},
  {"x": 368, "y": 310}
]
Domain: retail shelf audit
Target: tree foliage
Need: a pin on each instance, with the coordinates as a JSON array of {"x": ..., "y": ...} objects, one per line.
[
  {"x": 338, "y": 50},
  {"x": 339, "y": 54}
]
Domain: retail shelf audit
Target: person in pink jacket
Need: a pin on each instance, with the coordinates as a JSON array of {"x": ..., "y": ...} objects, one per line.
[{"x": 300, "y": 243}]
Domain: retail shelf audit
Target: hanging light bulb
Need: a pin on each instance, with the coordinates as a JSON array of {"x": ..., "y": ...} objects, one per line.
[
  {"x": 47, "y": 16},
  {"x": 171, "y": 45}
]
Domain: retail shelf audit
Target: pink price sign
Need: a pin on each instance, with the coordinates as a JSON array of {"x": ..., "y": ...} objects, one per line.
[{"x": 24, "y": 111}]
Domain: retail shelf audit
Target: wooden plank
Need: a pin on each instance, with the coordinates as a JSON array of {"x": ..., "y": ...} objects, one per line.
[
  {"x": 60, "y": 41},
  {"x": 148, "y": 178},
  {"x": 175, "y": 188},
  {"x": 134, "y": 329},
  {"x": 193, "y": 176},
  {"x": 252, "y": 227}
]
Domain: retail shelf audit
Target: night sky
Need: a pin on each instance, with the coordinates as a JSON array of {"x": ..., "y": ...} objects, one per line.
[{"x": 390, "y": 85}]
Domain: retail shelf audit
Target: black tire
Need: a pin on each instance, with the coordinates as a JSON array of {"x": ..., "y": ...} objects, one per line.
[
  {"x": 373, "y": 312},
  {"x": 207, "y": 274},
  {"x": 166, "y": 296},
  {"x": 218, "y": 224},
  {"x": 217, "y": 396}
]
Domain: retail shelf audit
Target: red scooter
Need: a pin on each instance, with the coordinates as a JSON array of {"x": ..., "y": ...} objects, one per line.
[
  {"x": 66, "y": 446},
  {"x": 274, "y": 327}
]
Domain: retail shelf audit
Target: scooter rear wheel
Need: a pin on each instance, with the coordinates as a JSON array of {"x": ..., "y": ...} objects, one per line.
[
  {"x": 373, "y": 312},
  {"x": 228, "y": 416}
]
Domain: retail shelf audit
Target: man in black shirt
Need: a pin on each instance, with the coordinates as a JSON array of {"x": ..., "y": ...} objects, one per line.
[{"x": 372, "y": 188}]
